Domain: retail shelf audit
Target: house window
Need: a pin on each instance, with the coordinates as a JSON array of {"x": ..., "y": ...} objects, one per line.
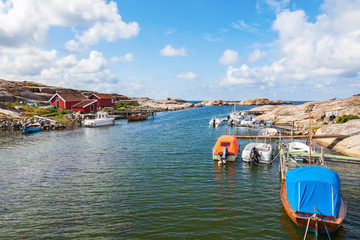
[
  {"x": 92, "y": 107},
  {"x": 57, "y": 104},
  {"x": 112, "y": 100}
]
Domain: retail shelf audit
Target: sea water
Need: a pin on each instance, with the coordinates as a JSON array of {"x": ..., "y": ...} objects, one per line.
[{"x": 153, "y": 179}]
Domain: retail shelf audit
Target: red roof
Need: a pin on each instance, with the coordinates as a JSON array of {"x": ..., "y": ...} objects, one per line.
[
  {"x": 84, "y": 103},
  {"x": 103, "y": 96},
  {"x": 70, "y": 96}
]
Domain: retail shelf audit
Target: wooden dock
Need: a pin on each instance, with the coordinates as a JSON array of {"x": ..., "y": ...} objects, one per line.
[
  {"x": 327, "y": 157},
  {"x": 295, "y": 136}
]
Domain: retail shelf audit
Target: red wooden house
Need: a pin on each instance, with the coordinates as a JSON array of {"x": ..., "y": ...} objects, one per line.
[
  {"x": 104, "y": 99},
  {"x": 85, "y": 106},
  {"x": 66, "y": 100}
]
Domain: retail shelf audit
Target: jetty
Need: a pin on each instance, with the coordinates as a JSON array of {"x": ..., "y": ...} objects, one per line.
[{"x": 294, "y": 136}]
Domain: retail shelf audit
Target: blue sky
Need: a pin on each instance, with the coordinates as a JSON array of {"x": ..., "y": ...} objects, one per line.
[{"x": 189, "y": 49}]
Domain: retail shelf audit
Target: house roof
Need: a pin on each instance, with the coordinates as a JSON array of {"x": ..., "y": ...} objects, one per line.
[
  {"x": 70, "y": 96},
  {"x": 85, "y": 103},
  {"x": 103, "y": 96}
]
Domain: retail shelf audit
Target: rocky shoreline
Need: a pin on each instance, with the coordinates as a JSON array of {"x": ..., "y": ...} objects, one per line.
[
  {"x": 16, "y": 124},
  {"x": 247, "y": 102},
  {"x": 323, "y": 117}
]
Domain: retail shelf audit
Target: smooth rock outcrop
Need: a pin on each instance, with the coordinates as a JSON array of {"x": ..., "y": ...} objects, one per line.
[
  {"x": 350, "y": 145},
  {"x": 261, "y": 101}
]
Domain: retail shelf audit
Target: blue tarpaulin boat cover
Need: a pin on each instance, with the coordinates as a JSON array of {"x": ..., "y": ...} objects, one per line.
[{"x": 307, "y": 187}]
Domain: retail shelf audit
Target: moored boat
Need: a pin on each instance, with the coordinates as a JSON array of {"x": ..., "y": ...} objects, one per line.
[
  {"x": 30, "y": 127},
  {"x": 299, "y": 147},
  {"x": 137, "y": 117},
  {"x": 268, "y": 132},
  {"x": 217, "y": 121},
  {"x": 102, "y": 119},
  {"x": 312, "y": 199},
  {"x": 257, "y": 152},
  {"x": 225, "y": 149}
]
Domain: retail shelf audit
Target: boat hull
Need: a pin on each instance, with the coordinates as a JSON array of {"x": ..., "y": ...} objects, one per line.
[
  {"x": 137, "y": 118},
  {"x": 30, "y": 130},
  {"x": 229, "y": 158},
  {"x": 315, "y": 224},
  {"x": 265, "y": 151},
  {"x": 98, "y": 123}
]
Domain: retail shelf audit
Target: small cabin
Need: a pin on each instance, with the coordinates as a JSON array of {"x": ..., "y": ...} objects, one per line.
[
  {"x": 86, "y": 106},
  {"x": 66, "y": 100},
  {"x": 104, "y": 99}
]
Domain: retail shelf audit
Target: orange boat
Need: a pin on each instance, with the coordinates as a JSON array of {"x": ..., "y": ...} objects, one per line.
[
  {"x": 226, "y": 149},
  {"x": 311, "y": 198},
  {"x": 138, "y": 117}
]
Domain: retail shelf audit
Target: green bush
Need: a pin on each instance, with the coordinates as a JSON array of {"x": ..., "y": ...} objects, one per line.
[
  {"x": 120, "y": 105},
  {"x": 345, "y": 118}
]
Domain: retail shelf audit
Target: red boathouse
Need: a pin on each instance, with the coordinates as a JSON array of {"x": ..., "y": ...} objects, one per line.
[
  {"x": 66, "y": 100},
  {"x": 104, "y": 99},
  {"x": 86, "y": 106}
]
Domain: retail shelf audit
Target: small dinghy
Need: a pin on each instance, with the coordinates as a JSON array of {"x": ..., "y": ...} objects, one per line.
[
  {"x": 137, "y": 117},
  {"x": 312, "y": 199},
  {"x": 257, "y": 153},
  {"x": 299, "y": 147},
  {"x": 30, "y": 127},
  {"x": 226, "y": 149}
]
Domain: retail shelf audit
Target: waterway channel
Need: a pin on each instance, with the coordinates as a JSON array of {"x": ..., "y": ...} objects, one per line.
[{"x": 147, "y": 180}]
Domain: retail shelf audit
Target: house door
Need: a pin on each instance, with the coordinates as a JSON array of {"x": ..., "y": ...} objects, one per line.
[
  {"x": 92, "y": 107},
  {"x": 57, "y": 104}
]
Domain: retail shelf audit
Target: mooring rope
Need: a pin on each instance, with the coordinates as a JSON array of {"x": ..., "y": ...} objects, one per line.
[
  {"x": 264, "y": 164},
  {"x": 326, "y": 229},
  {"x": 307, "y": 226}
]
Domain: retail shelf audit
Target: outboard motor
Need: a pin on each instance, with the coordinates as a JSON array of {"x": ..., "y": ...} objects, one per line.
[
  {"x": 255, "y": 156},
  {"x": 225, "y": 152}
]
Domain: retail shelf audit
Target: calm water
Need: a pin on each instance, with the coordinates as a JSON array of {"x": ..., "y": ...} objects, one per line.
[{"x": 146, "y": 180}]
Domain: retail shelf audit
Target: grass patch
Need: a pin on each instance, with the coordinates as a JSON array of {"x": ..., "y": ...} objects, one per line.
[
  {"x": 125, "y": 105},
  {"x": 31, "y": 111}
]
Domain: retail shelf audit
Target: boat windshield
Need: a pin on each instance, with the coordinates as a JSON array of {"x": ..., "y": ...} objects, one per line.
[{"x": 225, "y": 144}]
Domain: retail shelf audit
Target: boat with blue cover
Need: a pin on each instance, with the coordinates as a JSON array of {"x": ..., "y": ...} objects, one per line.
[{"x": 312, "y": 199}]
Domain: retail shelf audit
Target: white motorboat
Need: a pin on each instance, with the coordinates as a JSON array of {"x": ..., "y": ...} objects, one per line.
[
  {"x": 299, "y": 147},
  {"x": 257, "y": 152},
  {"x": 102, "y": 119},
  {"x": 249, "y": 120},
  {"x": 216, "y": 122},
  {"x": 268, "y": 132},
  {"x": 234, "y": 118}
]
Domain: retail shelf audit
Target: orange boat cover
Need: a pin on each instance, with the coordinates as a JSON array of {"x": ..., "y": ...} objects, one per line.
[{"x": 226, "y": 141}]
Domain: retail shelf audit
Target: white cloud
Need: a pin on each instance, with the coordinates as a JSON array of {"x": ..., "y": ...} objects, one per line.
[
  {"x": 328, "y": 48},
  {"x": 169, "y": 51},
  {"x": 128, "y": 57},
  {"x": 256, "y": 55},
  {"x": 188, "y": 75},
  {"x": 241, "y": 25},
  {"x": 27, "y": 21},
  {"x": 277, "y": 6},
  {"x": 229, "y": 57}
]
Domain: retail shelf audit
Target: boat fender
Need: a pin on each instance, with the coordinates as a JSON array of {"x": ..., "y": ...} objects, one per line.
[{"x": 255, "y": 156}]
